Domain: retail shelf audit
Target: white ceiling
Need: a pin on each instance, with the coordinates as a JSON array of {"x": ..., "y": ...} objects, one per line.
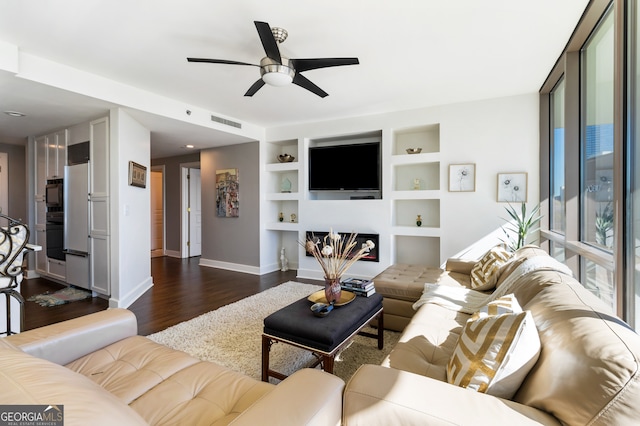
[{"x": 413, "y": 53}]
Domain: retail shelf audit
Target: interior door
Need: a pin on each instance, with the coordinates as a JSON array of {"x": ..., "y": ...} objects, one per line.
[
  {"x": 195, "y": 213},
  {"x": 157, "y": 211}
]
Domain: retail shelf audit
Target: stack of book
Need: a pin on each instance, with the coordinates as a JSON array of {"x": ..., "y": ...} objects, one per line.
[{"x": 360, "y": 287}]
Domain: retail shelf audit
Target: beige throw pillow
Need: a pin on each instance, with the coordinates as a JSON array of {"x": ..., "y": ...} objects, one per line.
[
  {"x": 494, "y": 354},
  {"x": 484, "y": 274}
]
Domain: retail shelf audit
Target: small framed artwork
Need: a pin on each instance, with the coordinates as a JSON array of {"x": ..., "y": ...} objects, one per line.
[
  {"x": 512, "y": 187},
  {"x": 137, "y": 175},
  {"x": 462, "y": 177}
]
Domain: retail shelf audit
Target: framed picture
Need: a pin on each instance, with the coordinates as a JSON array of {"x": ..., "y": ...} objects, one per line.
[
  {"x": 137, "y": 175},
  {"x": 462, "y": 177},
  {"x": 512, "y": 187},
  {"x": 227, "y": 193}
]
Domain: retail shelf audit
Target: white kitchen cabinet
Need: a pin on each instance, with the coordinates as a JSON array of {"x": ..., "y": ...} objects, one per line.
[
  {"x": 41, "y": 256},
  {"x": 56, "y": 154},
  {"x": 57, "y": 269},
  {"x": 99, "y": 230},
  {"x": 100, "y": 265},
  {"x": 41, "y": 166},
  {"x": 99, "y": 154}
]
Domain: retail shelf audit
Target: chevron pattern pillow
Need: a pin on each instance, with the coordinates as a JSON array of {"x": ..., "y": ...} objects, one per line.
[
  {"x": 507, "y": 304},
  {"x": 486, "y": 271},
  {"x": 494, "y": 354}
]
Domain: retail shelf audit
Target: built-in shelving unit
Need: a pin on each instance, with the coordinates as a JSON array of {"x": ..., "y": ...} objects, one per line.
[
  {"x": 411, "y": 187},
  {"x": 415, "y": 181}
]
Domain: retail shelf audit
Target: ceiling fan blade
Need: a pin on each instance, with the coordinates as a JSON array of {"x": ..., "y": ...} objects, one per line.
[
  {"x": 254, "y": 88},
  {"x": 219, "y": 61},
  {"x": 301, "y": 65},
  {"x": 304, "y": 82},
  {"x": 268, "y": 41}
]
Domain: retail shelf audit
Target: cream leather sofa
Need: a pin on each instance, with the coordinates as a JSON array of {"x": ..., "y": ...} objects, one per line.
[
  {"x": 587, "y": 373},
  {"x": 103, "y": 373}
]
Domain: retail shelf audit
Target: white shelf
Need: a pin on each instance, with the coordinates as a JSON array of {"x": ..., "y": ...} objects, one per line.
[
  {"x": 281, "y": 167},
  {"x": 429, "y": 157},
  {"x": 417, "y": 231},
  {"x": 280, "y": 196},
  {"x": 283, "y": 226},
  {"x": 416, "y": 195}
]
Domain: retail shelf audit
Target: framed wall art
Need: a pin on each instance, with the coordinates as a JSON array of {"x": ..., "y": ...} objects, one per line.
[
  {"x": 512, "y": 187},
  {"x": 462, "y": 177},
  {"x": 137, "y": 175},
  {"x": 227, "y": 193}
]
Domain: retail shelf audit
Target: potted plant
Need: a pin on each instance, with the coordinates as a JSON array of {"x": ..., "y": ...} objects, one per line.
[{"x": 520, "y": 225}]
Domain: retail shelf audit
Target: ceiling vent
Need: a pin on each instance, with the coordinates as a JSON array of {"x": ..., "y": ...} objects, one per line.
[{"x": 225, "y": 121}]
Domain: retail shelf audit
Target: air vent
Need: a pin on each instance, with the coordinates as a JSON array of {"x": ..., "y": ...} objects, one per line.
[{"x": 225, "y": 121}]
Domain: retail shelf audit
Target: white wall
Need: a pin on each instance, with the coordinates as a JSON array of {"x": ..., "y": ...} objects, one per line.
[
  {"x": 498, "y": 135},
  {"x": 130, "y": 211}
]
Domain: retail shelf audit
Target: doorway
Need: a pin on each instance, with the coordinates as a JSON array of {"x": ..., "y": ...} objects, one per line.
[
  {"x": 191, "y": 215},
  {"x": 156, "y": 187},
  {"x": 4, "y": 183}
]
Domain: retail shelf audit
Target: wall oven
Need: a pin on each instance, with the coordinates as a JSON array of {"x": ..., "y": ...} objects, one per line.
[
  {"x": 54, "y": 194},
  {"x": 55, "y": 219}
]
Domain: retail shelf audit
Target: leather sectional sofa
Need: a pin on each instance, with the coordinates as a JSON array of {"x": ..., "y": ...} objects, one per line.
[
  {"x": 103, "y": 373},
  {"x": 587, "y": 371}
]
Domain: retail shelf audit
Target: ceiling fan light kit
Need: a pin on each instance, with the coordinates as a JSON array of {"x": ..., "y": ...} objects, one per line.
[
  {"x": 276, "y": 70},
  {"x": 275, "y": 74}
]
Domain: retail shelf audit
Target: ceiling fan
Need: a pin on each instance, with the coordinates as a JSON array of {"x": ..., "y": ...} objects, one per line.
[{"x": 277, "y": 70}]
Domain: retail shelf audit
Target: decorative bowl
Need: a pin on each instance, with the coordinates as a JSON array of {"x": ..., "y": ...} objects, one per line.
[
  {"x": 414, "y": 150},
  {"x": 286, "y": 158}
]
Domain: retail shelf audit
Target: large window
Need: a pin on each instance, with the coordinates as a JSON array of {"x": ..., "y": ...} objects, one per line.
[
  {"x": 558, "y": 217},
  {"x": 633, "y": 162},
  {"x": 597, "y": 156},
  {"x": 596, "y": 151}
]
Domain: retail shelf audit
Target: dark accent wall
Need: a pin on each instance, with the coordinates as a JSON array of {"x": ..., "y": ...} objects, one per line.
[
  {"x": 17, "y": 175},
  {"x": 172, "y": 195},
  {"x": 227, "y": 239}
]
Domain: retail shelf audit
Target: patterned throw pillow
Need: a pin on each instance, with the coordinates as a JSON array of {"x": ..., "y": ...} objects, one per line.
[
  {"x": 507, "y": 304},
  {"x": 485, "y": 272},
  {"x": 495, "y": 353}
]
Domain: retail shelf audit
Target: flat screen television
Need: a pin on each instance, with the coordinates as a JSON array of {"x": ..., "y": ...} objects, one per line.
[{"x": 352, "y": 167}]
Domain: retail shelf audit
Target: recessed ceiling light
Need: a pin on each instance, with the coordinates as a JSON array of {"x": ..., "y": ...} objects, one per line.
[
  {"x": 189, "y": 146},
  {"x": 15, "y": 113}
]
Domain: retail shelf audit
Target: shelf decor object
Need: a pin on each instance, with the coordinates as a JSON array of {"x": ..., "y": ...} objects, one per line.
[
  {"x": 512, "y": 187},
  {"x": 286, "y": 158},
  {"x": 285, "y": 185},
  {"x": 227, "y": 193},
  {"x": 462, "y": 177},
  {"x": 335, "y": 253}
]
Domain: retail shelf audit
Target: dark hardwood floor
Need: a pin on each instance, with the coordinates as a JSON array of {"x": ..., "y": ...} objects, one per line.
[{"x": 182, "y": 290}]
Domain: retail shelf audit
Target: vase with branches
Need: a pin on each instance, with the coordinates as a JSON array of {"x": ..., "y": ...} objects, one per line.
[
  {"x": 520, "y": 225},
  {"x": 336, "y": 254}
]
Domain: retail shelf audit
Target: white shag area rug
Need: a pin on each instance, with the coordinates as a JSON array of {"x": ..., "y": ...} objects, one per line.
[{"x": 232, "y": 336}]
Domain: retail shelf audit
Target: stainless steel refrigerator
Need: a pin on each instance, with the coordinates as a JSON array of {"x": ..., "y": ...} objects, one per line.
[{"x": 76, "y": 229}]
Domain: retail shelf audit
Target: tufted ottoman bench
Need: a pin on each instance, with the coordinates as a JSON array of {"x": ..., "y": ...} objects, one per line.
[{"x": 401, "y": 286}]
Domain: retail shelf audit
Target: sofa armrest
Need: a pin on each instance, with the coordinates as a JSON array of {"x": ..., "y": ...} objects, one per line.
[
  {"x": 307, "y": 397},
  {"x": 463, "y": 266},
  {"x": 69, "y": 340},
  {"x": 378, "y": 395}
]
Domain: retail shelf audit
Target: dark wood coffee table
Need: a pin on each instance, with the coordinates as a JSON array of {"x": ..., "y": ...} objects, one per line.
[{"x": 324, "y": 337}]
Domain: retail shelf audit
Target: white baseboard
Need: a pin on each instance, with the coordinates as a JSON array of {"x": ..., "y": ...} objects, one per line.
[
  {"x": 237, "y": 267},
  {"x": 31, "y": 274},
  {"x": 173, "y": 253},
  {"x": 132, "y": 296}
]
